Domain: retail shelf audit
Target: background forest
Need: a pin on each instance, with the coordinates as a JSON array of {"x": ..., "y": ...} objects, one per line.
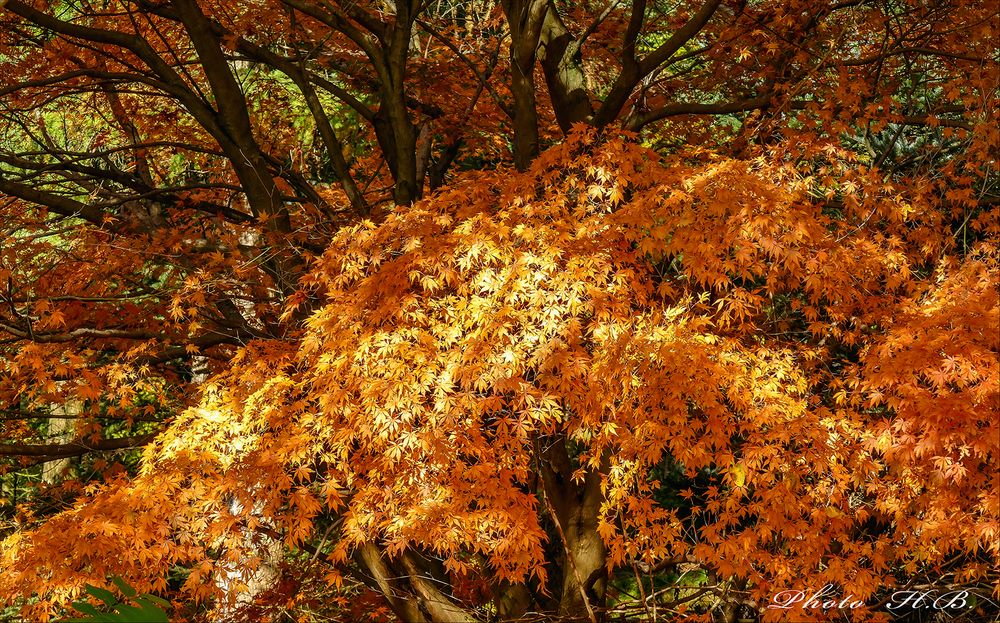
[{"x": 523, "y": 310}]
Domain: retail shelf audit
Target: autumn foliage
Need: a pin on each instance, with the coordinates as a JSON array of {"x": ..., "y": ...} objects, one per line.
[{"x": 488, "y": 312}]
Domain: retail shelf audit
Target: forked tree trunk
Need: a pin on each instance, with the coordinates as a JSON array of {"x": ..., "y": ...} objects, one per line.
[
  {"x": 417, "y": 591},
  {"x": 411, "y": 587},
  {"x": 574, "y": 509}
]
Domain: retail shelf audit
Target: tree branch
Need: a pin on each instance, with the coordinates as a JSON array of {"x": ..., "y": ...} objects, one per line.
[
  {"x": 55, "y": 203},
  {"x": 76, "y": 448},
  {"x": 634, "y": 71}
]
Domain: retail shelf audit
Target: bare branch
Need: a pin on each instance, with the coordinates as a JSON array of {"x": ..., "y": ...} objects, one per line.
[{"x": 76, "y": 448}]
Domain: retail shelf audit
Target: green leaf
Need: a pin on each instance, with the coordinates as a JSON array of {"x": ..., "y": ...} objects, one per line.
[
  {"x": 85, "y": 608},
  {"x": 151, "y": 611},
  {"x": 92, "y": 617},
  {"x": 159, "y": 601},
  {"x": 143, "y": 608},
  {"x": 124, "y": 587},
  {"x": 125, "y": 613},
  {"x": 104, "y": 595}
]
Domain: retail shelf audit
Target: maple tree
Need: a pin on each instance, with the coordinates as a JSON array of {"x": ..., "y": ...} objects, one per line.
[{"x": 443, "y": 311}]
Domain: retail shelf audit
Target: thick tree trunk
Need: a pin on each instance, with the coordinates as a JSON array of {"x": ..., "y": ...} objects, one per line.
[
  {"x": 415, "y": 588},
  {"x": 524, "y": 19},
  {"x": 234, "y": 132},
  {"x": 410, "y": 587},
  {"x": 386, "y": 581},
  {"x": 512, "y": 601},
  {"x": 575, "y": 509},
  {"x": 562, "y": 65},
  {"x": 585, "y": 556},
  {"x": 61, "y": 430},
  {"x": 525, "y": 116}
]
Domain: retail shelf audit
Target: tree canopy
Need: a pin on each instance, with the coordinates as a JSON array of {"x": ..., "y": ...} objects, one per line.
[{"x": 442, "y": 311}]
